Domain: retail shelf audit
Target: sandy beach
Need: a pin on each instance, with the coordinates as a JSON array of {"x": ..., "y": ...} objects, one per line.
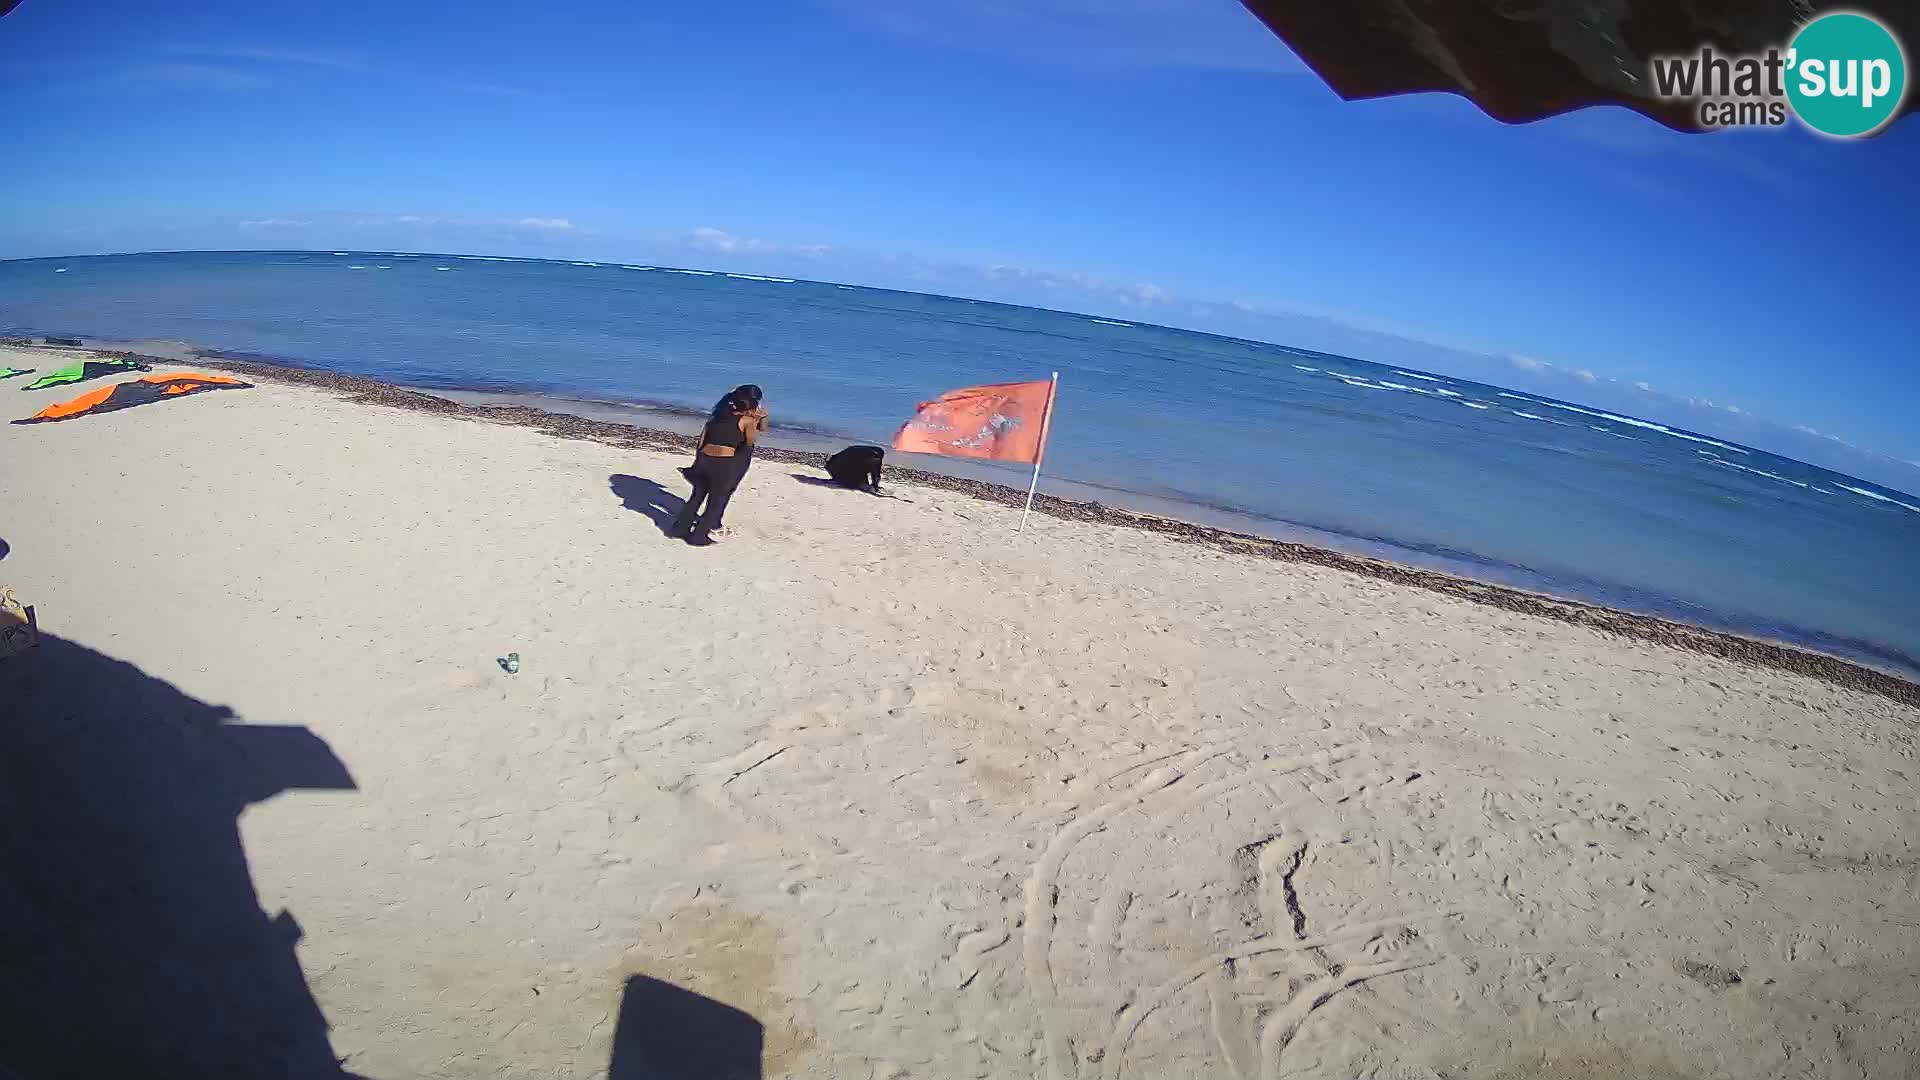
[{"x": 904, "y": 794}]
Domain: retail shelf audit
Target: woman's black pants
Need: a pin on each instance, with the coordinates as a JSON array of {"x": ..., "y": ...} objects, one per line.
[{"x": 713, "y": 480}]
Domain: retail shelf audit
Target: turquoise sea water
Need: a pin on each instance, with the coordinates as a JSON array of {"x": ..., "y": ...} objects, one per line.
[{"x": 1473, "y": 478}]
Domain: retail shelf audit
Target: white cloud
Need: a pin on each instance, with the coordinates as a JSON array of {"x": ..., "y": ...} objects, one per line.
[
  {"x": 707, "y": 238},
  {"x": 197, "y": 78},
  {"x": 812, "y": 251},
  {"x": 1528, "y": 363},
  {"x": 543, "y": 225},
  {"x": 1644, "y": 386},
  {"x": 1071, "y": 280},
  {"x": 1585, "y": 376},
  {"x": 265, "y": 56},
  {"x": 275, "y": 223},
  {"x": 239, "y": 67}
]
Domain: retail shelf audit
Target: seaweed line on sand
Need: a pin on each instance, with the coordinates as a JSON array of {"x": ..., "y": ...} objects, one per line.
[{"x": 1648, "y": 628}]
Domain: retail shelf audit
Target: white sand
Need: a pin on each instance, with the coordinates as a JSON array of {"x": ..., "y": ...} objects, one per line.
[{"x": 928, "y": 800}]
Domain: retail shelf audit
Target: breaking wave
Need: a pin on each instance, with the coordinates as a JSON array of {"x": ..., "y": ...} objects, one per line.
[
  {"x": 1877, "y": 496},
  {"x": 1647, "y": 424}
]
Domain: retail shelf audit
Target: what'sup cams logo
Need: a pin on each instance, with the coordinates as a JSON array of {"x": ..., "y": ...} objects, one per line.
[{"x": 1844, "y": 74}]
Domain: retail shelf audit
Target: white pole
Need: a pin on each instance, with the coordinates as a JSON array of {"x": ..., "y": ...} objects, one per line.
[{"x": 1046, "y": 420}]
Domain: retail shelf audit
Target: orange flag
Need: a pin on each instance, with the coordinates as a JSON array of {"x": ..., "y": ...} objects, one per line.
[{"x": 1003, "y": 422}]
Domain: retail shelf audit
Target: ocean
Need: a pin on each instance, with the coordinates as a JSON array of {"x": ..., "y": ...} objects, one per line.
[{"x": 1410, "y": 465}]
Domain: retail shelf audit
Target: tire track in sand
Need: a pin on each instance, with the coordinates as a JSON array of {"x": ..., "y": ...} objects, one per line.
[
  {"x": 1134, "y": 1015},
  {"x": 1042, "y": 890}
]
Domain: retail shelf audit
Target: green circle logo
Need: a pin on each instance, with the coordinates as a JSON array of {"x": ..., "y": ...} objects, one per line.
[{"x": 1846, "y": 75}]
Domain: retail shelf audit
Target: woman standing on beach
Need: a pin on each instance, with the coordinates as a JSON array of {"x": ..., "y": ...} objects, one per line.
[
  {"x": 750, "y": 395},
  {"x": 719, "y": 462}
]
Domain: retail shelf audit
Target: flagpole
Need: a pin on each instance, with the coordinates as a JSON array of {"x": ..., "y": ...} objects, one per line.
[{"x": 1046, "y": 421}]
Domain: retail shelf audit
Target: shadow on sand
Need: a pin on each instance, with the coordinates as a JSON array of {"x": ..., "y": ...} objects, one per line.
[
  {"x": 669, "y": 1033},
  {"x": 819, "y": 481},
  {"x": 132, "y": 942},
  {"x": 643, "y": 496},
  {"x": 830, "y": 482}
]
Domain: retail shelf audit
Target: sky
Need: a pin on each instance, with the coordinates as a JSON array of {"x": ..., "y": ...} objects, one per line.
[{"x": 1162, "y": 160}]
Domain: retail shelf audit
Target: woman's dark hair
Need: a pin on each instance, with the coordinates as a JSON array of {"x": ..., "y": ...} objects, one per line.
[{"x": 744, "y": 398}]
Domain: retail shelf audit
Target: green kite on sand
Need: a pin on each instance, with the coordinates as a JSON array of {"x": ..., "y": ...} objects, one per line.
[
  {"x": 89, "y": 369},
  {"x": 10, "y": 372}
]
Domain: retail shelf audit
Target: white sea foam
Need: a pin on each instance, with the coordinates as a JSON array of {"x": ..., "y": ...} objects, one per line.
[
  {"x": 399, "y": 255},
  {"x": 1615, "y": 434},
  {"x": 1110, "y": 322},
  {"x": 484, "y": 258},
  {"x": 1647, "y": 424},
  {"x": 695, "y": 273},
  {"x": 1401, "y": 386},
  {"x": 356, "y": 266},
  {"x": 1758, "y": 472},
  {"x": 383, "y": 267},
  {"x": 1542, "y": 419},
  {"x": 1474, "y": 404},
  {"x": 1877, "y": 496},
  {"x": 625, "y": 267},
  {"x": 1303, "y": 367},
  {"x": 1516, "y": 397},
  {"x": 586, "y": 264},
  {"x": 1776, "y": 476},
  {"x": 443, "y": 268},
  {"x": 1417, "y": 375},
  {"x": 61, "y": 270},
  {"x": 343, "y": 253},
  {"x": 757, "y": 277},
  {"x": 849, "y": 288},
  {"x": 1446, "y": 393}
]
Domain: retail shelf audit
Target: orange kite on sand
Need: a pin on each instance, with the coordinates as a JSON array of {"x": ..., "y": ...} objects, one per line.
[
  {"x": 1002, "y": 422},
  {"x": 141, "y": 391}
]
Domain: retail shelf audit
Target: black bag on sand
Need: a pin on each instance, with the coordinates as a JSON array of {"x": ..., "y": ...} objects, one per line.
[{"x": 857, "y": 467}]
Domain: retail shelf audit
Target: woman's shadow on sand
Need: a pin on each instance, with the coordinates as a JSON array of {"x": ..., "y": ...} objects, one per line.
[{"x": 643, "y": 496}]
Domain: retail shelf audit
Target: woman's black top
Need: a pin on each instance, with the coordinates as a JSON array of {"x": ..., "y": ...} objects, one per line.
[{"x": 724, "y": 430}]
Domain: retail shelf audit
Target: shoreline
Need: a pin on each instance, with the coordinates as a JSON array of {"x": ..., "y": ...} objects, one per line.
[
  {"x": 1546, "y": 572},
  {"x": 1654, "y": 629}
]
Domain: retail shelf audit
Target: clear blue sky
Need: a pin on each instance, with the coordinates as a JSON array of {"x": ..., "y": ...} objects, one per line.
[{"x": 1164, "y": 158}]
